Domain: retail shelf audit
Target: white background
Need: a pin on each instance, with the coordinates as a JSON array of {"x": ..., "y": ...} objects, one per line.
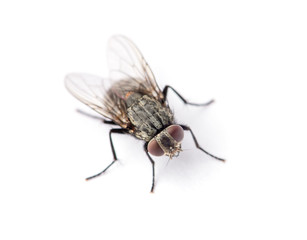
[{"x": 250, "y": 56}]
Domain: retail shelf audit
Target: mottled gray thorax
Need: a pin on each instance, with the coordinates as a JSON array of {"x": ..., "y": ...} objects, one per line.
[{"x": 147, "y": 115}]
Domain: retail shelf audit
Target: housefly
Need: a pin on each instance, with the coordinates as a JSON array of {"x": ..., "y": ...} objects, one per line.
[{"x": 132, "y": 100}]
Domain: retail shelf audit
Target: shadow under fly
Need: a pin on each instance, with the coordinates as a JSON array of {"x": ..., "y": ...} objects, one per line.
[{"x": 132, "y": 100}]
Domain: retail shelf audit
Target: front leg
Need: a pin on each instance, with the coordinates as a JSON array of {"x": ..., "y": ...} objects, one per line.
[
  {"x": 165, "y": 91},
  {"x": 186, "y": 128},
  {"x": 153, "y": 167}
]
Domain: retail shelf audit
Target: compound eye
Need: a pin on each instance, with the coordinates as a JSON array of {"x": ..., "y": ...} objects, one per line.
[
  {"x": 154, "y": 148},
  {"x": 176, "y": 132}
]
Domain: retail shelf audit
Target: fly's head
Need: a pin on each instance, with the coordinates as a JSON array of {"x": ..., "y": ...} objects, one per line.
[{"x": 167, "y": 142}]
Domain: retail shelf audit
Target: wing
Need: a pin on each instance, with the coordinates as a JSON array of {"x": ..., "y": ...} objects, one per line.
[
  {"x": 127, "y": 63},
  {"x": 129, "y": 72},
  {"x": 90, "y": 90}
]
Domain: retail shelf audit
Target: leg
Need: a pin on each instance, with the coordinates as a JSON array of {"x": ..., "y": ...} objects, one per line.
[
  {"x": 186, "y": 128},
  {"x": 114, "y": 130},
  {"x": 109, "y": 122},
  {"x": 165, "y": 90},
  {"x": 153, "y": 168},
  {"x": 96, "y": 117}
]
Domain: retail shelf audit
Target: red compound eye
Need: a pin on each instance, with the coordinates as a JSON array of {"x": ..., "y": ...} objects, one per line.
[
  {"x": 176, "y": 132},
  {"x": 154, "y": 148}
]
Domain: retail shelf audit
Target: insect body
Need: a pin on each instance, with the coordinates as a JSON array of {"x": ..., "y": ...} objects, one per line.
[{"x": 132, "y": 100}]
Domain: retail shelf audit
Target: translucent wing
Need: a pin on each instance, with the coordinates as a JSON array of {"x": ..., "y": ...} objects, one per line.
[
  {"x": 90, "y": 90},
  {"x": 129, "y": 73},
  {"x": 126, "y": 62}
]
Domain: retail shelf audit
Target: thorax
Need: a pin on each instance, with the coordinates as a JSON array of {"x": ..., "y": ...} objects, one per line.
[{"x": 147, "y": 115}]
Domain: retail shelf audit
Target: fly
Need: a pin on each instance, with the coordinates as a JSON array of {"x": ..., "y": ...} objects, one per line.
[{"x": 132, "y": 100}]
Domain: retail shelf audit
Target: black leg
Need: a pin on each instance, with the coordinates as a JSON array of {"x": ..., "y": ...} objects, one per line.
[
  {"x": 186, "y": 128},
  {"x": 153, "y": 168},
  {"x": 109, "y": 122},
  {"x": 96, "y": 117},
  {"x": 114, "y": 130},
  {"x": 165, "y": 91}
]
